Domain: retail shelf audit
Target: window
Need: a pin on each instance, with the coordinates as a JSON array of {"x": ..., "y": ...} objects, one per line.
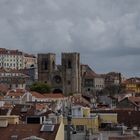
[
  {"x": 88, "y": 82},
  {"x": 88, "y": 89},
  {"x": 69, "y": 82},
  {"x": 53, "y": 65},
  {"x": 57, "y": 79},
  {"x": 45, "y": 65},
  {"x": 69, "y": 64}
]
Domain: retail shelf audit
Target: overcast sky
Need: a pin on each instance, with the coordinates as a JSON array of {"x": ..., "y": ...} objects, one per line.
[{"x": 105, "y": 32}]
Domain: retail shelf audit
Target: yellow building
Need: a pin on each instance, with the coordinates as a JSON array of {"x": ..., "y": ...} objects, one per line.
[
  {"x": 133, "y": 84},
  {"x": 82, "y": 121},
  {"x": 60, "y": 132},
  {"x": 108, "y": 118}
]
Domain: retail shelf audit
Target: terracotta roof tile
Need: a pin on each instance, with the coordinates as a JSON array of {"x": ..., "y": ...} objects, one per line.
[
  {"x": 79, "y": 100},
  {"x": 37, "y": 95},
  {"x": 40, "y": 106},
  {"x": 17, "y": 111},
  {"x": 3, "y": 88},
  {"x": 27, "y": 130},
  {"x": 52, "y": 95}
]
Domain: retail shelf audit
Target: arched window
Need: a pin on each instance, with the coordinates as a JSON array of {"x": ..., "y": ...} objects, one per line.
[
  {"x": 53, "y": 65},
  {"x": 45, "y": 65},
  {"x": 69, "y": 64}
]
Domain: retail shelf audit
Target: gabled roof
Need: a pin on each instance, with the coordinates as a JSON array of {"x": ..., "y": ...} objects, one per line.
[
  {"x": 16, "y": 92},
  {"x": 133, "y": 100},
  {"x": 52, "y": 95},
  {"x": 37, "y": 95},
  {"x": 79, "y": 100},
  {"x": 91, "y": 74}
]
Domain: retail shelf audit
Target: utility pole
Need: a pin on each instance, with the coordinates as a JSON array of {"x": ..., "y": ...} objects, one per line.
[{"x": 69, "y": 117}]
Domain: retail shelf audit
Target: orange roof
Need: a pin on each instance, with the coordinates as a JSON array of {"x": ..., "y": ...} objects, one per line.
[
  {"x": 133, "y": 80},
  {"x": 40, "y": 106},
  {"x": 17, "y": 92},
  {"x": 52, "y": 95},
  {"x": 3, "y": 88},
  {"x": 37, "y": 95},
  {"x": 79, "y": 100}
]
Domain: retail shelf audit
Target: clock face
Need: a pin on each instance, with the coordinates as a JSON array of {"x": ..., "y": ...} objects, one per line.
[{"x": 57, "y": 79}]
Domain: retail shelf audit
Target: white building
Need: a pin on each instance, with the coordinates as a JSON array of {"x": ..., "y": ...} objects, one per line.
[{"x": 16, "y": 59}]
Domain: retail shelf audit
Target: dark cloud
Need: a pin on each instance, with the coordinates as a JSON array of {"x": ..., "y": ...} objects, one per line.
[{"x": 105, "y": 32}]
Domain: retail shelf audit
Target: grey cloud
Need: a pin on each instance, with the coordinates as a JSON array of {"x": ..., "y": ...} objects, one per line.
[{"x": 108, "y": 30}]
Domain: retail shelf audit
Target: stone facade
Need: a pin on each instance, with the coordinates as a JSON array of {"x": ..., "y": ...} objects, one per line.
[
  {"x": 64, "y": 78},
  {"x": 71, "y": 72},
  {"x": 91, "y": 81}
]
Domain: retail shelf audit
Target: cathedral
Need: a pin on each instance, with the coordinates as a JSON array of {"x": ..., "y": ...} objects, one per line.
[{"x": 64, "y": 78}]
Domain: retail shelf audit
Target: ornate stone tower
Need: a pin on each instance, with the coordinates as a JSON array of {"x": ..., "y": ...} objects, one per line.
[
  {"x": 71, "y": 73},
  {"x": 46, "y": 66}
]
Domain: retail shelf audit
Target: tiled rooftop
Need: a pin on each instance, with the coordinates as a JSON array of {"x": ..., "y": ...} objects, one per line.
[
  {"x": 37, "y": 95},
  {"x": 27, "y": 130},
  {"x": 52, "y": 95}
]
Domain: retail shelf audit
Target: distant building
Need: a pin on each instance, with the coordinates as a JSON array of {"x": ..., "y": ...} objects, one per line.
[
  {"x": 13, "y": 78},
  {"x": 32, "y": 73},
  {"x": 112, "y": 78},
  {"x": 16, "y": 59},
  {"x": 132, "y": 84},
  {"x": 64, "y": 78},
  {"x": 91, "y": 82},
  {"x": 132, "y": 103},
  {"x": 82, "y": 121},
  {"x": 71, "y": 76}
]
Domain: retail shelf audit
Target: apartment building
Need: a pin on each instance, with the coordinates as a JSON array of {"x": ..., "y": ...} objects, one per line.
[{"x": 16, "y": 59}]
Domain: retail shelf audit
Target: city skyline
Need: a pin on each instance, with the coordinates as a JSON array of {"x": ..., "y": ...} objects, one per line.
[{"x": 105, "y": 33}]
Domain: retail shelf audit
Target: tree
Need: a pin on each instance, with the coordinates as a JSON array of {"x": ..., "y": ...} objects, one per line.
[
  {"x": 40, "y": 87},
  {"x": 112, "y": 90}
]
